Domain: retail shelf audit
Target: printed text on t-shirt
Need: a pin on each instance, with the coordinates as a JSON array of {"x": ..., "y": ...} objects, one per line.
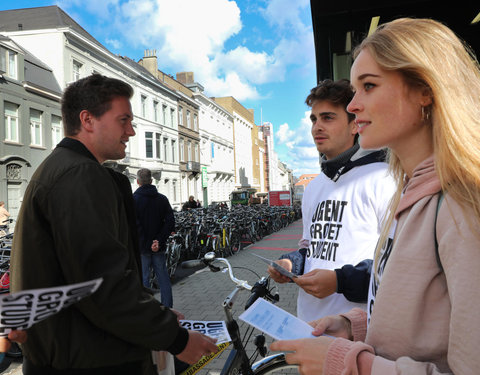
[{"x": 325, "y": 229}]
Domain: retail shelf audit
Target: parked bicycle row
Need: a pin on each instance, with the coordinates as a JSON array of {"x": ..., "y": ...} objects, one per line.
[{"x": 223, "y": 231}]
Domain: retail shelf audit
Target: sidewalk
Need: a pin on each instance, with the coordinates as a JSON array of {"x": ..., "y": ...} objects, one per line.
[{"x": 200, "y": 296}]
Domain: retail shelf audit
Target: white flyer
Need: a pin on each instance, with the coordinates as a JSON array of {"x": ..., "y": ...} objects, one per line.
[
  {"x": 276, "y": 322},
  {"x": 23, "y": 309},
  {"x": 215, "y": 329}
]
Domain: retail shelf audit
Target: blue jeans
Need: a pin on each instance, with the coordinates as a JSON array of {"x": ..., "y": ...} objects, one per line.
[{"x": 157, "y": 261}]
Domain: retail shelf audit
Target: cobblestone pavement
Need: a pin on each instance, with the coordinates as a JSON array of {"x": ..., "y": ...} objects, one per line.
[{"x": 199, "y": 296}]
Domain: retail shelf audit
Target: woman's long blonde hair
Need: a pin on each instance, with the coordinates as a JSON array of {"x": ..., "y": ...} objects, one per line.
[{"x": 430, "y": 56}]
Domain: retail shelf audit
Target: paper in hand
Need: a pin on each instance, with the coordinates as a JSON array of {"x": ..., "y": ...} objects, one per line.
[
  {"x": 275, "y": 322},
  {"x": 214, "y": 329},
  {"x": 21, "y": 310},
  {"x": 279, "y": 268}
]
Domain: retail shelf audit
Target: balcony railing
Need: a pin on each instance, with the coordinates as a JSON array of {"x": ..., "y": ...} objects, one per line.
[{"x": 193, "y": 166}]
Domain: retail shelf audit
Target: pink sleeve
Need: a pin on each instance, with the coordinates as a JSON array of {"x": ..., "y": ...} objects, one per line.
[
  {"x": 345, "y": 357},
  {"x": 358, "y": 321}
]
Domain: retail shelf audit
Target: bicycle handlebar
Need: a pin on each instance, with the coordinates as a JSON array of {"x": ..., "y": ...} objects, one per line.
[{"x": 208, "y": 259}]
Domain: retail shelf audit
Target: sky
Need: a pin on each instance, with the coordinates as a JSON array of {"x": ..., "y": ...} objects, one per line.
[{"x": 261, "y": 52}]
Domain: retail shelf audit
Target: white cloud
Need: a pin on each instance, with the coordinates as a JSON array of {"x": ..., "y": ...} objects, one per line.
[
  {"x": 286, "y": 13},
  {"x": 301, "y": 136},
  {"x": 193, "y": 35},
  {"x": 284, "y": 134},
  {"x": 301, "y": 153},
  {"x": 114, "y": 43}
]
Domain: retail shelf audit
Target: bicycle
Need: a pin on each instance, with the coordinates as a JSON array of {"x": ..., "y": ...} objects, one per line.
[
  {"x": 238, "y": 361},
  {"x": 173, "y": 252}
]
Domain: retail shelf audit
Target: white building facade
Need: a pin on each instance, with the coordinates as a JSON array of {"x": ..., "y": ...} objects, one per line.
[
  {"x": 216, "y": 149},
  {"x": 72, "y": 54}
]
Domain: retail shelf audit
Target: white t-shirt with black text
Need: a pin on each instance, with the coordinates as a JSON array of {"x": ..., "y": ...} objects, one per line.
[{"x": 342, "y": 222}]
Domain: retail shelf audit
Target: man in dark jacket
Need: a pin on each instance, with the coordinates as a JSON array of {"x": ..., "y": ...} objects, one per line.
[
  {"x": 77, "y": 223},
  {"x": 155, "y": 222},
  {"x": 191, "y": 203}
]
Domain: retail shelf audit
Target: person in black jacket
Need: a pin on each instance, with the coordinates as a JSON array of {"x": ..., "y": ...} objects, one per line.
[
  {"x": 155, "y": 222},
  {"x": 77, "y": 223},
  {"x": 191, "y": 203}
]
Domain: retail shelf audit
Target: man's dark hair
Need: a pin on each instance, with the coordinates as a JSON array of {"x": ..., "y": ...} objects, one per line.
[
  {"x": 94, "y": 94},
  {"x": 144, "y": 176},
  {"x": 336, "y": 92}
]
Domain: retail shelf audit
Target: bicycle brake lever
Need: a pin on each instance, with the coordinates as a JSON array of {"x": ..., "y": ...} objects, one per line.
[{"x": 214, "y": 268}]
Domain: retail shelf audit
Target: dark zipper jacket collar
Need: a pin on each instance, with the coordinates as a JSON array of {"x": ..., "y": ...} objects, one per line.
[
  {"x": 349, "y": 159},
  {"x": 77, "y": 146}
]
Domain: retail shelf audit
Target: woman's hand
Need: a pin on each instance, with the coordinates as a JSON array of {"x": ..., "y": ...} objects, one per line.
[
  {"x": 333, "y": 325},
  {"x": 308, "y": 354}
]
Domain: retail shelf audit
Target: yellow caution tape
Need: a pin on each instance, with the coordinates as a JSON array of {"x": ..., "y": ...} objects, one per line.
[{"x": 193, "y": 369}]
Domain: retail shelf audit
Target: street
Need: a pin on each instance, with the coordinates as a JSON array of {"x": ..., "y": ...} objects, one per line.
[{"x": 199, "y": 295}]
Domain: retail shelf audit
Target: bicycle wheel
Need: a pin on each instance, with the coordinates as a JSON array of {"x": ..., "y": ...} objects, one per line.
[
  {"x": 235, "y": 243},
  {"x": 274, "y": 364},
  {"x": 174, "y": 258}
]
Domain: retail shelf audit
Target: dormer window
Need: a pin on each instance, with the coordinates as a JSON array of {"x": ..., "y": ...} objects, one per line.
[
  {"x": 76, "y": 70},
  {"x": 8, "y": 62}
]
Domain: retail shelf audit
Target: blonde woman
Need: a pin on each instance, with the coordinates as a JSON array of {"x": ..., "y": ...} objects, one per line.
[{"x": 417, "y": 92}]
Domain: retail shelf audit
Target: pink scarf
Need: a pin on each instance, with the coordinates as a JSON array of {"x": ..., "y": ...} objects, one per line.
[{"x": 424, "y": 182}]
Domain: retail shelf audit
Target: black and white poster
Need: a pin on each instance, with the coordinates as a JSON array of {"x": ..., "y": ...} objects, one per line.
[{"x": 23, "y": 309}]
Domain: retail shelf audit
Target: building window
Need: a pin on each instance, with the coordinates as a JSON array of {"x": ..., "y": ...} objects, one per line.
[
  {"x": 57, "y": 130},
  {"x": 143, "y": 105},
  {"x": 196, "y": 152},
  {"x": 165, "y": 150},
  {"x": 189, "y": 151},
  {"x": 164, "y": 114},
  {"x": 180, "y": 116},
  {"x": 188, "y": 119},
  {"x": 195, "y": 122},
  {"x": 11, "y": 122},
  {"x": 8, "y": 62},
  {"x": 76, "y": 69},
  {"x": 148, "y": 144},
  {"x": 36, "y": 127},
  {"x": 157, "y": 145},
  {"x": 212, "y": 148},
  {"x": 174, "y": 150},
  {"x": 182, "y": 150},
  {"x": 174, "y": 190},
  {"x": 172, "y": 117},
  {"x": 155, "y": 111}
]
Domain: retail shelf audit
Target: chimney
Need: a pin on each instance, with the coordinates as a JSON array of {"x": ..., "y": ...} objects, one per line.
[
  {"x": 150, "y": 61},
  {"x": 185, "y": 77}
]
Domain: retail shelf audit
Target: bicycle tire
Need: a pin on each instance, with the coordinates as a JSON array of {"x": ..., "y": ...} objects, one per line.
[
  {"x": 174, "y": 258},
  {"x": 235, "y": 243},
  {"x": 274, "y": 364}
]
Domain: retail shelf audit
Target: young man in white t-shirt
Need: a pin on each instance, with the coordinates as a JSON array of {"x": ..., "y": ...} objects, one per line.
[{"x": 342, "y": 210}]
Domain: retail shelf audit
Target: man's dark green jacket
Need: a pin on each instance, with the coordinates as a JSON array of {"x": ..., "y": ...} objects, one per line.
[{"x": 76, "y": 224}]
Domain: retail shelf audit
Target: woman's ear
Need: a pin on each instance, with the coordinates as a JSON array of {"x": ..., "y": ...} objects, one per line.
[{"x": 426, "y": 97}]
